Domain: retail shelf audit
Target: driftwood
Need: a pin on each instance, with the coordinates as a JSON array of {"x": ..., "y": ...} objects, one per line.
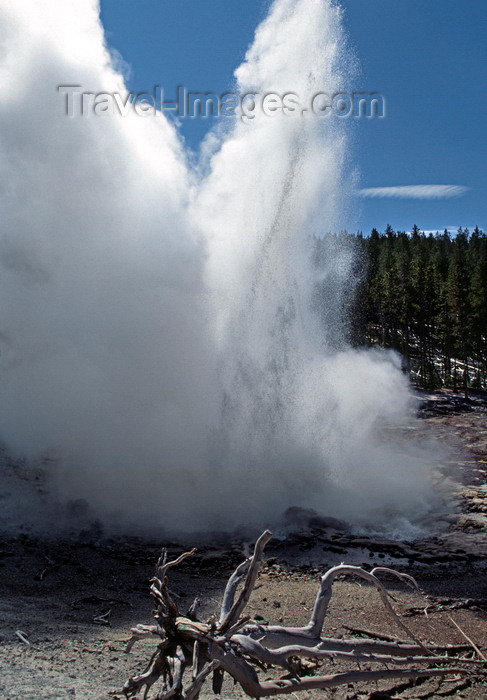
[{"x": 189, "y": 651}]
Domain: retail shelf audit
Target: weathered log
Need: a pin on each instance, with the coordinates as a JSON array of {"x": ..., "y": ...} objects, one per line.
[{"x": 190, "y": 651}]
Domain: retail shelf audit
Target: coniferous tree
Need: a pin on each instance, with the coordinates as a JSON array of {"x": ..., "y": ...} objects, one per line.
[
  {"x": 424, "y": 296},
  {"x": 457, "y": 291}
]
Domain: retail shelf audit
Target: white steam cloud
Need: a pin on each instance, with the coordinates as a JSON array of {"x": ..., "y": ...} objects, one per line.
[{"x": 158, "y": 340}]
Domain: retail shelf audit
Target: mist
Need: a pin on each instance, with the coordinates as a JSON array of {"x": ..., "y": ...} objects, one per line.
[{"x": 160, "y": 353}]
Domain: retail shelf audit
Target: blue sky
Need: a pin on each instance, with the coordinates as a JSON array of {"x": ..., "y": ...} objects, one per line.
[{"x": 428, "y": 59}]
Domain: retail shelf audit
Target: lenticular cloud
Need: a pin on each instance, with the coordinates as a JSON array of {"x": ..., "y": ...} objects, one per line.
[
  {"x": 161, "y": 353},
  {"x": 415, "y": 191}
]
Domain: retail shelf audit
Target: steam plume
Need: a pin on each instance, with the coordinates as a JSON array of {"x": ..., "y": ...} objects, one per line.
[{"x": 158, "y": 335}]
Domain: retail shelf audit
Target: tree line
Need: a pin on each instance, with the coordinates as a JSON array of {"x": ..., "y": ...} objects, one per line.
[{"x": 424, "y": 295}]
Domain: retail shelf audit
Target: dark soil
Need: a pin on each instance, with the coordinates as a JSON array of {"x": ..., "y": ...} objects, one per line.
[{"x": 67, "y": 606}]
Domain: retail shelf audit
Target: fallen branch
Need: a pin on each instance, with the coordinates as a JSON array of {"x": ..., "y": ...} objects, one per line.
[
  {"x": 22, "y": 637},
  {"x": 374, "y": 634},
  {"x": 475, "y": 647},
  {"x": 189, "y": 651},
  {"x": 103, "y": 619},
  {"x": 453, "y": 649}
]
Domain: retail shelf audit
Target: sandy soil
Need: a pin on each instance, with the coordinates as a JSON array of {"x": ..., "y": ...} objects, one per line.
[{"x": 52, "y": 592}]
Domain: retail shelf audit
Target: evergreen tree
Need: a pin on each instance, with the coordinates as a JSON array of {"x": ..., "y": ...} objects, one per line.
[{"x": 425, "y": 296}]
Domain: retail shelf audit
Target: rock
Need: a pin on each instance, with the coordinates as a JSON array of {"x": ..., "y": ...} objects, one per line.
[{"x": 300, "y": 518}]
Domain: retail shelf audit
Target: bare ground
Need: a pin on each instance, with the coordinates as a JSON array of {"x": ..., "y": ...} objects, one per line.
[{"x": 52, "y": 592}]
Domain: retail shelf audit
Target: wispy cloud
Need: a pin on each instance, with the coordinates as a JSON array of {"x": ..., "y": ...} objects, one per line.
[
  {"x": 451, "y": 229},
  {"x": 414, "y": 191}
]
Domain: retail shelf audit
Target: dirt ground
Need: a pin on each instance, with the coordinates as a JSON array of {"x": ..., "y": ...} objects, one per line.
[{"x": 66, "y": 607}]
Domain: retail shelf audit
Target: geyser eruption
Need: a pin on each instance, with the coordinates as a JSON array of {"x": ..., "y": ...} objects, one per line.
[{"x": 161, "y": 339}]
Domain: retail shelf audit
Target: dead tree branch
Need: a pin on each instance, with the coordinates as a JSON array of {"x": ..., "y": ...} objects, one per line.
[{"x": 189, "y": 651}]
